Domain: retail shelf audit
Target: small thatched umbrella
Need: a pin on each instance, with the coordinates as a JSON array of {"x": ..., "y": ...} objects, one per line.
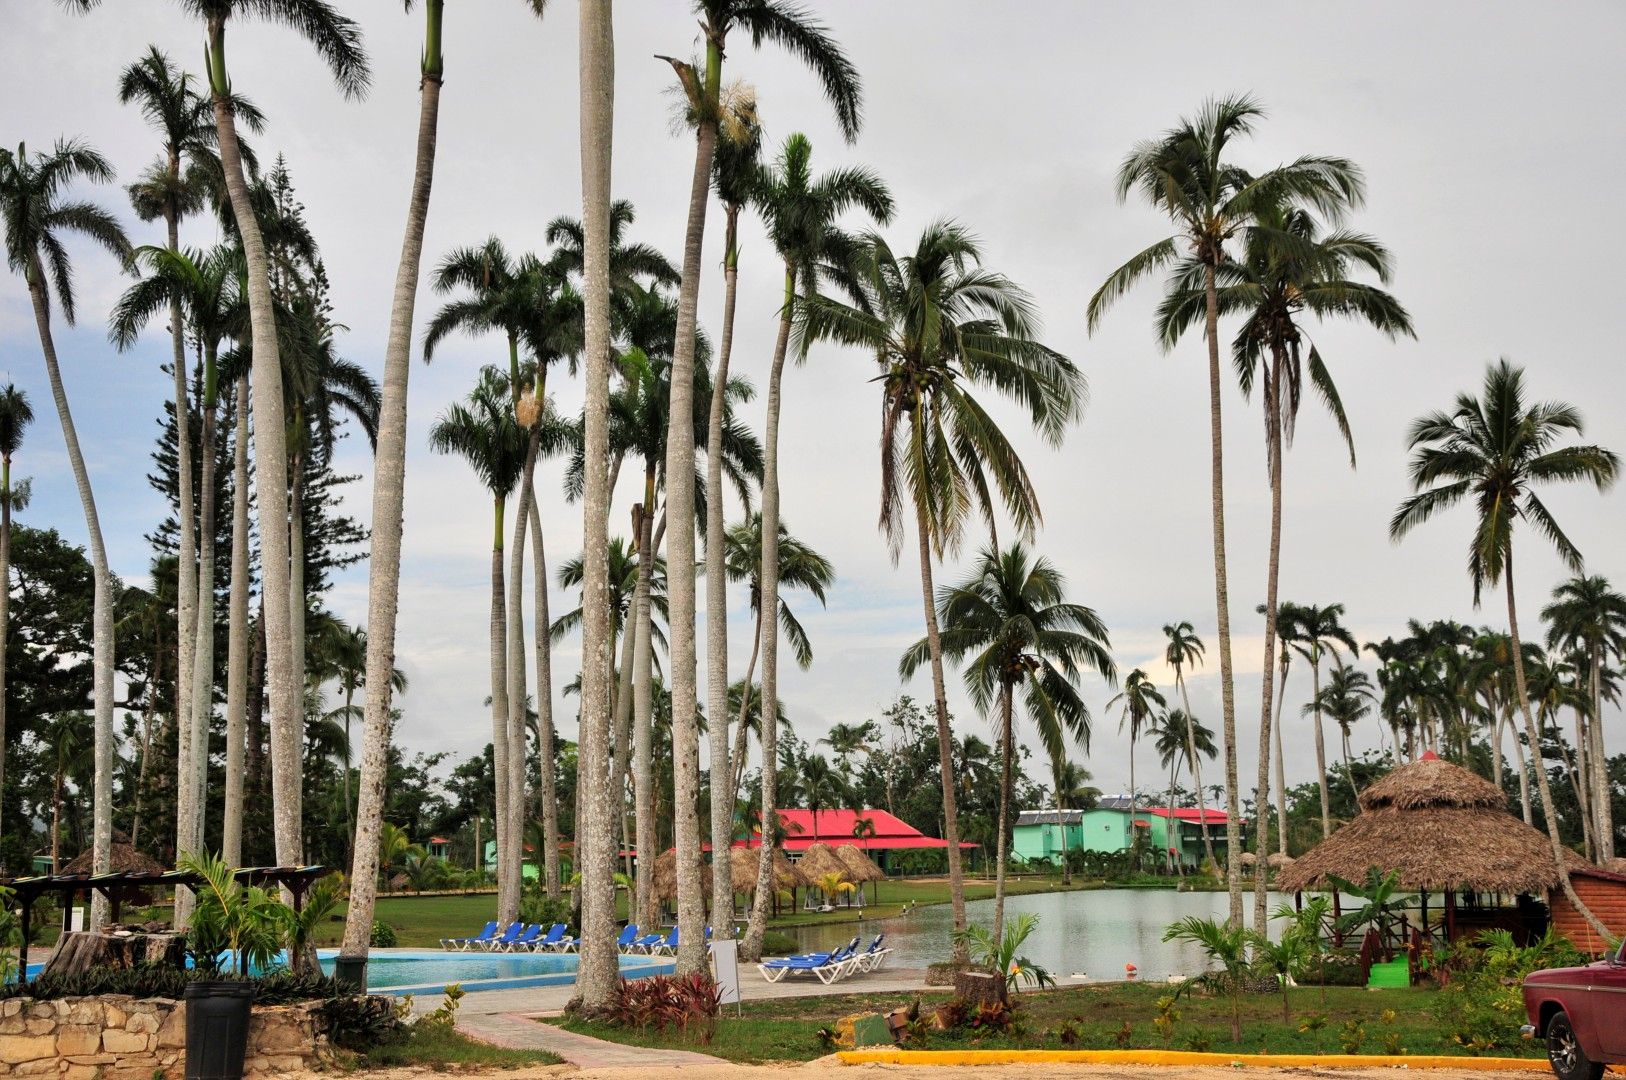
[
  {"x": 665, "y": 876},
  {"x": 123, "y": 858},
  {"x": 819, "y": 860},
  {"x": 1277, "y": 861},
  {"x": 860, "y": 867},
  {"x": 1441, "y": 829}
]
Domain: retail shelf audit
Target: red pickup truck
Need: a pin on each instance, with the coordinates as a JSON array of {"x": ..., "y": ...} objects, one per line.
[{"x": 1581, "y": 1012}]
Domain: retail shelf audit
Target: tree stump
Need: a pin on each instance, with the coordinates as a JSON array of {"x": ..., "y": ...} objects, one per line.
[
  {"x": 81, "y": 950},
  {"x": 975, "y": 986}
]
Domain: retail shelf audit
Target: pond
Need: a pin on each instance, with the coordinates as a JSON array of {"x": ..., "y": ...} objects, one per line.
[{"x": 1084, "y": 933}]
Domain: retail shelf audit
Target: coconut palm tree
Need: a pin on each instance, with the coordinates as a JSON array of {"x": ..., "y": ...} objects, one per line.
[
  {"x": 800, "y": 567},
  {"x": 1184, "y": 173},
  {"x": 598, "y": 973},
  {"x": 1138, "y": 703},
  {"x": 940, "y": 324},
  {"x": 1180, "y": 739},
  {"x": 1320, "y": 633},
  {"x": 792, "y": 28},
  {"x": 1346, "y": 699},
  {"x": 176, "y": 186},
  {"x": 15, "y": 416},
  {"x": 735, "y": 168},
  {"x": 1498, "y": 450},
  {"x": 800, "y": 212},
  {"x": 1588, "y": 617},
  {"x": 37, "y": 217},
  {"x": 485, "y": 434},
  {"x": 1185, "y": 649},
  {"x": 1073, "y": 792},
  {"x": 1290, "y": 623},
  {"x": 1010, "y": 623}
]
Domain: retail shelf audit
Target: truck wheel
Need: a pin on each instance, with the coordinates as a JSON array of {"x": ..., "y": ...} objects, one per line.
[{"x": 1564, "y": 1051}]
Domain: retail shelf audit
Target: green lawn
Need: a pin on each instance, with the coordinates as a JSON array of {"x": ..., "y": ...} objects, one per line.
[
  {"x": 1096, "y": 1017},
  {"x": 438, "y": 1047}
]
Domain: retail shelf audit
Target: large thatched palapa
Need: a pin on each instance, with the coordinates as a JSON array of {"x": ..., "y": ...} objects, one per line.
[
  {"x": 819, "y": 860},
  {"x": 860, "y": 867},
  {"x": 1442, "y": 829}
]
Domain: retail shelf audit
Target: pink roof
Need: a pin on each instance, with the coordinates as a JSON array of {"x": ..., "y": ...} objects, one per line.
[
  {"x": 1190, "y": 813},
  {"x": 836, "y": 827}
]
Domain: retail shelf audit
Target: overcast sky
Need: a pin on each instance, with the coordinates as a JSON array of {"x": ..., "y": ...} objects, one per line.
[{"x": 1493, "y": 147}]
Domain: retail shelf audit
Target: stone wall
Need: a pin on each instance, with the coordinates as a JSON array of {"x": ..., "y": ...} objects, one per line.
[{"x": 123, "y": 1038}]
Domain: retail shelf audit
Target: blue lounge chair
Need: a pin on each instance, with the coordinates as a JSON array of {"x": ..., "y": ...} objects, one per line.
[
  {"x": 526, "y": 940},
  {"x": 828, "y": 967},
  {"x": 549, "y": 941},
  {"x": 462, "y": 944},
  {"x": 647, "y": 943},
  {"x": 866, "y": 961},
  {"x": 507, "y": 938},
  {"x": 628, "y": 938},
  {"x": 666, "y": 947}
]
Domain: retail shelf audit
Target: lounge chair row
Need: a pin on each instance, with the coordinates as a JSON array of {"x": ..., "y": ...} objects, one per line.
[
  {"x": 633, "y": 943},
  {"x": 517, "y": 937},
  {"x": 831, "y": 966}
]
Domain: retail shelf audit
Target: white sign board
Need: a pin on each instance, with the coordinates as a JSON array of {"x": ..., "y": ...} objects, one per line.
[{"x": 725, "y": 968}]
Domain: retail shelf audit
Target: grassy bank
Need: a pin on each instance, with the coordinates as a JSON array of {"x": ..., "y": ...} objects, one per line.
[
  {"x": 437, "y": 1047},
  {"x": 1122, "y": 1016}
]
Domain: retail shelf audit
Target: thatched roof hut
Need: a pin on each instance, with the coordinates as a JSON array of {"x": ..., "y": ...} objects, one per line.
[
  {"x": 743, "y": 871},
  {"x": 1441, "y": 828},
  {"x": 860, "y": 867},
  {"x": 665, "y": 876},
  {"x": 123, "y": 859},
  {"x": 819, "y": 860}
]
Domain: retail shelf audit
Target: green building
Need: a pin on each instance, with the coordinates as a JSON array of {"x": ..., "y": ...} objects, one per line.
[{"x": 1109, "y": 826}]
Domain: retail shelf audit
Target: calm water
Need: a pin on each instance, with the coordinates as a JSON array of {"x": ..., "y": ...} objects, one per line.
[{"x": 1089, "y": 933}]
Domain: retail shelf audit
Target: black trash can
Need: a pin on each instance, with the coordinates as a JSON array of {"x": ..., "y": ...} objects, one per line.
[
  {"x": 217, "y": 1029},
  {"x": 350, "y": 974}
]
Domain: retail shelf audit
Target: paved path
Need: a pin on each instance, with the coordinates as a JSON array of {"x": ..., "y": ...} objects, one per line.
[{"x": 509, "y": 1018}]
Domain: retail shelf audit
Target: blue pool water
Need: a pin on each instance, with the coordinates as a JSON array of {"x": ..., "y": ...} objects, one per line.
[{"x": 428, "y": 971}]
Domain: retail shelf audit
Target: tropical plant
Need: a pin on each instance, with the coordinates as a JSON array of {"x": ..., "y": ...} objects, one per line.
[
  {"x": 1010, "y": 624},
  {"x": 794, "y": 29},
  {"x": 1185, "y": 650},
  {"x": 233, "y": 923},
  {"x": 1184, "y": 173},
  {"x": 1319, "y": 631},
  {"x": 834, "y": 885},
  {"x": 1181, "y": 740},
  {"x": 1589, "y": 617},
  {"x": 1498, "y": 450},
  {"x": 940, "y": 324},
  {"x": 1380, "y": 906},
  {"x": 1002, "y": 954},
  {"x": 1346, "y": 700},
  {"x": 1225, "y": 945},
  {"x": 37, "y": 218}
]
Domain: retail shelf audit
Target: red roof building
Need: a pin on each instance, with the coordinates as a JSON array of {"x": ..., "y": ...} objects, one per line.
[{"x": 842, "y": 827}]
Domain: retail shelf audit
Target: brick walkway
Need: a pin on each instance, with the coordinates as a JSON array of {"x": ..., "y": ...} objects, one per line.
[{"x": 520, "y": 1032}]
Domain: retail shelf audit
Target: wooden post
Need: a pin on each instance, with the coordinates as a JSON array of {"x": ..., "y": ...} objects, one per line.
[
  {"x": 22, "y": 947},
  {"x": 1450, "y": 916},
  {"x": 1425, "y": 912},
  {"x": 1337, "y": 915}
]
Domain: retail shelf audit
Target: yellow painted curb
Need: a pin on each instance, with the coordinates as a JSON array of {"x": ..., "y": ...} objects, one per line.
[{"x": 1186, "y": 1057}]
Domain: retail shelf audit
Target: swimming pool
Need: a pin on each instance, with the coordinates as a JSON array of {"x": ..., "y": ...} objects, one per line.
[{"x": 429, "y": 971}]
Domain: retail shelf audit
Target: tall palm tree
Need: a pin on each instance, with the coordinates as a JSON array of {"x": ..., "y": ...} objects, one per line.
[
  {"x": 1138, "y": 701},
  {"x": 792, "y": 28},
  {"x": 1497, "y": 449},
  {"x": 37, "y": 218},
  {"x": 735, "y": 167},
  {"x": 1181, "y": 739},
  {"x": 1290, "y": 623},
  {"x": 1320, "y": 634},
  {"x": 821, "y": 785},
  {"x": 800, "y": 567},
  {"x": 1588, "y": 616},
  {"x": 206, "y": 288},
  {"x": 1184, "y": 174},
  {"x": 15, "y": 416},
  {"x": 337, "y": 41},
  {"x": 389, "y": 490},
  {"x": 1346, "y": 699},
  {"x": 801, "y": 212},
  {"x": 1185, "y": 649},
  {"x": 598, "y": 973},
  {"x": 485, "y": 434},
  {"x": 940, "y": 324},
  {"x": 175, "y": 187},
  {"x": 1011, "y": 624}
]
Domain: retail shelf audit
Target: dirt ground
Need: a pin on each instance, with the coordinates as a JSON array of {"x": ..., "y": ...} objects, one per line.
[{"x": 831, "y": 1070}]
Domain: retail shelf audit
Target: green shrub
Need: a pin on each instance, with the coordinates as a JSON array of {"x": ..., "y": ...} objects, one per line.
[
  {"x": 536, "y": 906},
  {"x": 382, "y": 935},
  {"x": 277, "y": 988},
  {"x": 1482, "y": 1006},
  {"x": 365, "y": 1023}
]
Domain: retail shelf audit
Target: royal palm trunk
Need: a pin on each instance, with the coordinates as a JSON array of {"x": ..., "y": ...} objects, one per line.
[
  {"x": 643, "y": 718},
  {"x": 598, "y": 972},
  {"x": 507, "y": 906},
  {"x": 547, "y": 793},
  {"x": 1006, "y": 778},
  {"x": 1267, "y": 677},
  {"x": 203, "y": 653},
  {"x": 511, "y": 873},
  {"x": 102, "y": 660},
  {"x": 237, "y": 647},
  {"x": 270, "y": 474}
]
